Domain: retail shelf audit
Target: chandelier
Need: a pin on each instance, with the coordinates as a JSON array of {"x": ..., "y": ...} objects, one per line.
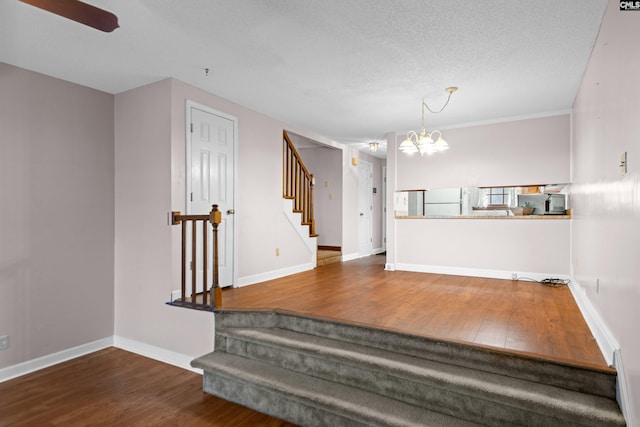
[{"x": 427, "y": 142}]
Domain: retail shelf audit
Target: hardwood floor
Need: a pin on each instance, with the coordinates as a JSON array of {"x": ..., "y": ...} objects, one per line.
[
  {"x": 113, "y": 387},
  {"x": 511, "y": 315}
]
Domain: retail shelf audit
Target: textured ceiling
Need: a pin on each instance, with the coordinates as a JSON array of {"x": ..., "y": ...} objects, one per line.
[{"x": 350, "y": 70}]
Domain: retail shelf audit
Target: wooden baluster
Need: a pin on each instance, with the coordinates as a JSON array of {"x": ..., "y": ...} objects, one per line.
[
  {"x": 291, "y": 174},
  {"x": 285, "y": 168},
  {"x": 205, "y": 254},
  {"x": 183, "y": 287},
  {"x": 215, "y": 218},
  {"x": 193, "y": 260},
  {"x": 299, "y": 185},
  {"x": 312, "y": 229}
]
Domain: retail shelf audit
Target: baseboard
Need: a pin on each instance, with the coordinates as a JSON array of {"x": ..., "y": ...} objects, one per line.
[
  {"x": 160, "y": 354},
  {"x": 33, "y": 365},
  {"x": 473, "y": 272},
  {"x": 608, "y": 345},
  {"x": 351, "y": 257},
  {"x": 622, "y": 390},
  {"x": 358, "y": 255},
  {"x": 605, "y": 339},
  {"x": 275, "y": 274}
]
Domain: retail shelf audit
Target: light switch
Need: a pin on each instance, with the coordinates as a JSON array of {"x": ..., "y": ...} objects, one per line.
[{"x": 623, "y": 163}]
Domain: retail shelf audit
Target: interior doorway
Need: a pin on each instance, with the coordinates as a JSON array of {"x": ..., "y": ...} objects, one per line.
[
  {"x": 365, "y": 208},
  {"x": 211, "y": 139}
]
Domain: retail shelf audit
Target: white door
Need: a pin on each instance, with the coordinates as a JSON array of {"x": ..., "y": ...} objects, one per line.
[
  {"x": 211, "y": 140},
  {"x": 365, "y": 208}
]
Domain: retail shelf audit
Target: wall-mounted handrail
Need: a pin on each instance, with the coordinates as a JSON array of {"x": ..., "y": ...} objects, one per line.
[{"x": 211, "y": 296}]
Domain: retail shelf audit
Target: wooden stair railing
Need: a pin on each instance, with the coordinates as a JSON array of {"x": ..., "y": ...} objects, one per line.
[
  {"x": 297, "y": 183},
  {"x": 212, "y": 298}
]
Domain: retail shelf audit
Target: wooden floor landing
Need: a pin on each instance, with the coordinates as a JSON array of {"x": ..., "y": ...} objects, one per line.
[
  {"x": 511, "y": 315},
  {"x": 113, "y": 387}
]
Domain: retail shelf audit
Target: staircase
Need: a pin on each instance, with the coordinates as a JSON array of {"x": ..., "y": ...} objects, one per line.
[
  {"x": 297, "y": 184},
  {"x": 317, "y": 372},
  {"x": 328, "y": 256}
]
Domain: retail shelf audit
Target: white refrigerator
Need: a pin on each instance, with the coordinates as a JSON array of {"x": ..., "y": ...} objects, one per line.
[{"x": 443, "y": 202}]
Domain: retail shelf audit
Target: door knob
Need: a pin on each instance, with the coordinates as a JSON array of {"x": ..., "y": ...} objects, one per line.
[{"x": 230, "y": 212}]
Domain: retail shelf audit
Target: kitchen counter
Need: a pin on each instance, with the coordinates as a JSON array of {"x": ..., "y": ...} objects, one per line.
[{"x": 510, "y": 217}]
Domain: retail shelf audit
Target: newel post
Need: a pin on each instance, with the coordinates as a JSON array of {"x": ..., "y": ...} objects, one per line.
[
  {"x": 215, "y": 218},
  {"x": 311, "y": 217}
]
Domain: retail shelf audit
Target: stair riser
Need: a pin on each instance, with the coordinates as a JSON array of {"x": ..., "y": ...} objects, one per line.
[
  {"x": 569, "y": 377},
  {"x": 272, "y": 402},
  {"x": 560, "y": 375},
  {"x": 329, "y": 260},
  {"x": 423, "y": 392}
]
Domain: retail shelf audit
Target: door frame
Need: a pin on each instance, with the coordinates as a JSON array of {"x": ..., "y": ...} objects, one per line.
[
  {"x": 384, "y": 208},
  {"x": 369, "y": 196},
  {"x": 189, "y": 104}
]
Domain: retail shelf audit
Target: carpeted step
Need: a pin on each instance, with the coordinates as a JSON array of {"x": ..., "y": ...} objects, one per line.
[
  {"x": 308, "y": 401},
  {"x": 316, "y": 371},
  {"x": 596, "y": 381},
  {"x": 474, "y": 395}
]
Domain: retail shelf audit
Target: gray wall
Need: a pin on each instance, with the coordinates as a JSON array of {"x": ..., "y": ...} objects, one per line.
[
  {"x": 605, "y": 238},
  {"x": 56, "y": 214}
]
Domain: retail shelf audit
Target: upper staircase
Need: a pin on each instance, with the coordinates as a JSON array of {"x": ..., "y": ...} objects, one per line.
[
  {"x": 317, "y": 372},
  {"x": 297, "y": 183}
]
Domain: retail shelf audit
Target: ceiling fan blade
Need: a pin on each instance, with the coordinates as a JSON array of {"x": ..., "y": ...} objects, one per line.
[{"x": 80, "y": 12}]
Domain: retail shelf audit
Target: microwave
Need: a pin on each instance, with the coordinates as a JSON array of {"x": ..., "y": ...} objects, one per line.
[
  {"x": 545, "y": 203},
  {"x": 555, "y": 204}
]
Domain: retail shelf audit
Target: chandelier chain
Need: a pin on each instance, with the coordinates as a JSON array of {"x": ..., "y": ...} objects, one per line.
[{"x": 443, "y": 107}]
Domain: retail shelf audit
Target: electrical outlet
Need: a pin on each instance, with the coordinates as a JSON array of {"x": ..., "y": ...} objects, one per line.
[
  {"x": 277, "y": 251},
  {"x": 4, "y": 342},
  {"x": 514, "y": 276},
  {"x": 597, "y": 286}
]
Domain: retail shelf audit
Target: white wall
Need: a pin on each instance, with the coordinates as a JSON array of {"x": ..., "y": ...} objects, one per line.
[
  {"x": 261, "y": 222},
  {"x": 56, "y": 215},
  {"x": 532, "y": 151},
  {"x": 326, "y": 166},
  {"x": 145, "y": 262},
  {"x": 606, "y": 226},
  {"x": 150, "y": 167},
  {"x": 485, "y": 247}
]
